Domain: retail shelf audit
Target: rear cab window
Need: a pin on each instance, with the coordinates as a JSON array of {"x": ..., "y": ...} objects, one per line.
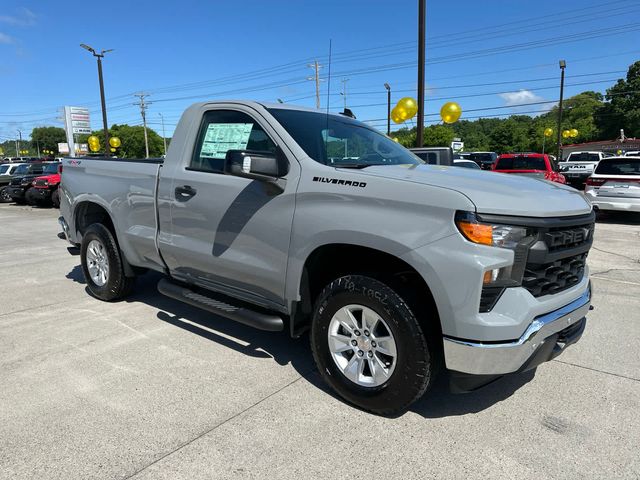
[
  {"x": 583, "y": 157},
  {"x": 224, "y": 130},
  {"x": 521, "y": 163}
]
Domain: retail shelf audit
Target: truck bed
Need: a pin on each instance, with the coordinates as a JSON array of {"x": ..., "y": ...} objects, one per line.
[{"x": 127, "y": 189}]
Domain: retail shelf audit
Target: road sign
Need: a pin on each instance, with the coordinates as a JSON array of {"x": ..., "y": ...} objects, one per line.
[
  {"x": 76, "y": 122},
  {"x": 457, "y": 146}
]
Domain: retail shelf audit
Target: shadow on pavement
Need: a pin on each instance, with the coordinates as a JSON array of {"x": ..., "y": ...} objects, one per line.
[
  {"x": 437, "y": 403},
  {"x": 618, "y": 218}
]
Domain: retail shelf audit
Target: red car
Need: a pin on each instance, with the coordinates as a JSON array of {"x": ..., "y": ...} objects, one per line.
[
  {"x": 45, "y": 190},
  {"x": 537, "y": 165}
]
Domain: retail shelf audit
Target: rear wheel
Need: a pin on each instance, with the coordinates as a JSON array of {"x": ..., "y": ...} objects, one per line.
[
  {"x": 30, "y": 197},
  {"x": 102, "y": 265},
  {"x": 369, "y": 346}
]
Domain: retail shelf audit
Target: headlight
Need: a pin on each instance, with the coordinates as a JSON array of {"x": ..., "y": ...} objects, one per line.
[
  {"x": 512, "y": 237},
  {"x": 495, "y": 235}
]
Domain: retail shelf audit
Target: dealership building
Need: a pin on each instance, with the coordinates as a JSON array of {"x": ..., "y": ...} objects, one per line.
[{"x": 616, "y": 147}]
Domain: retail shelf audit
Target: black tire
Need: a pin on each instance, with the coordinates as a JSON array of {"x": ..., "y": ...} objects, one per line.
[
  {"x": 4, "y": 195},
  {"x": 30, "y": 197},
  {"x": 117, "y": 285},
  {"x": 413, "y": 372},
  {"x": 55, "y": 199}
]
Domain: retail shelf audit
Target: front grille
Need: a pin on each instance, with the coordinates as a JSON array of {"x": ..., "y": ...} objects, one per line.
[
  {"x": 16, "y": 181},
  {"x": 561, "y": 238},
  {"x": 41, "y": 183},
  {"x": 554, "y": 277}
]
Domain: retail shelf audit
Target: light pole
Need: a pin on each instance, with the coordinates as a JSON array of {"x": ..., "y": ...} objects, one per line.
[
  {"x": 562, "y": 64},
  {"x": 19, "y": 144},
  {"x": 164, "y": 138},
  {"x": 100, "y": 56},
  {"x": 422, "y": 7},
  {"x": 388, "y": 87}
]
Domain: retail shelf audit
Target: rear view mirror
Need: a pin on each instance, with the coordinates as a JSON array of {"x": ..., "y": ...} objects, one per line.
[{"x": 256, "y": 165}]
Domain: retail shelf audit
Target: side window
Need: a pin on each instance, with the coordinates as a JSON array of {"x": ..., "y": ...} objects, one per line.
[
  {"x": 37, "y": 169},
  {"x": 224, "y": 130}
]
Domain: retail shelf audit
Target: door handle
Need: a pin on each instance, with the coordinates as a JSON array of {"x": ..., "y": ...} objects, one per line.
[{"x": 184, "y": 193}]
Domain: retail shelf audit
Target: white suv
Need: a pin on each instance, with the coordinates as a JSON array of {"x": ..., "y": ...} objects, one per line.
[{"x": 615, "y": 184}]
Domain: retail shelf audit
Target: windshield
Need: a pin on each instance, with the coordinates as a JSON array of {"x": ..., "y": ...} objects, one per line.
[
  {"x": 50, "y": 168},
  {"x": 521, "y": 163},
  {"x": 21, "y": 170},
  {"x": 3, "y": 169},
  {"x": 619, "y": 166},
  {"x": 483, "y": 157},
  {"x": 583, "y": 157},
  {"x": 339, "y": 141}
]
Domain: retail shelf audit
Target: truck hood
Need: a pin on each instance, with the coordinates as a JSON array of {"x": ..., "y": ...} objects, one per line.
[{"x": 492, "y": 192}]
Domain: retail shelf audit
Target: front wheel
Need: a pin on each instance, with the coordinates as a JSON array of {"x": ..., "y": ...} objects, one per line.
[
  {"x": 4, "y": 195},
  {"x": 55, "y": 199},
  {"x": 102, "y": 265},
  {"x": 369, "y": 346}
]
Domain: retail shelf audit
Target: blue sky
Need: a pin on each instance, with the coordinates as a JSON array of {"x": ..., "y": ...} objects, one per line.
[{"x": 487, "y": 55}]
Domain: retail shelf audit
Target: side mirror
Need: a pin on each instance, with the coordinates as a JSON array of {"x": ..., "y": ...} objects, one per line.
[{"x": 256, "y": 165}]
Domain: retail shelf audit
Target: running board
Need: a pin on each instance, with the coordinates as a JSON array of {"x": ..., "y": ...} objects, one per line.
[{"x": 261, "y": 321}]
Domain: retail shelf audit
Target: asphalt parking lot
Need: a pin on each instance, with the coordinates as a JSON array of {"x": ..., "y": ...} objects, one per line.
[{"x": 149, "y": 388}]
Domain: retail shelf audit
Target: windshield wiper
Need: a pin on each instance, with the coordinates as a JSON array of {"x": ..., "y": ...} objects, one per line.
[{"x": 358, "y": 165}]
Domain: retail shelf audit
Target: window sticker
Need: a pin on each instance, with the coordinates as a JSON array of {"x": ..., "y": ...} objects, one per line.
[{"x": 222, "y": 137}]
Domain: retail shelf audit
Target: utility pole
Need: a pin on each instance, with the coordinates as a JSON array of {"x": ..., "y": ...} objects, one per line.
[
  {"x": 19, "y": 144},
  {"x": 316, "y": 66},
  {"x": 388, "y": 87},
  {"x": 344, "y": 91},
  {"x": 164, "y": 138},
  {"x": 100, "y": 56},
  {"x": 143, "y": 107},
  {"x": 422, "y": 8},
  {"x": 563, "y": 64}
]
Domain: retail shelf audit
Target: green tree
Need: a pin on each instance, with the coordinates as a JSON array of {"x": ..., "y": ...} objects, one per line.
[
  {"x": 623, "y": 107},
  {"x": 132, "y": 141},
  {"x": 438, "y": 136},
  {"x": 47, "y": 138}
]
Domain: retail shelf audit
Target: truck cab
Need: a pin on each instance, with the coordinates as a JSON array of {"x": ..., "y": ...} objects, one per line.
[{"x": 578, "y": 166}]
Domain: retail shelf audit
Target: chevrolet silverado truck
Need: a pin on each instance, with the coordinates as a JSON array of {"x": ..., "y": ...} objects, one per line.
[{"x": 398, "y": 269}]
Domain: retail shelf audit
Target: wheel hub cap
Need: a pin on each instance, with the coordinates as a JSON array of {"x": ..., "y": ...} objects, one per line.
[
  {"x": 362, "y": 345},
  {"x": 97, "y": 263}
]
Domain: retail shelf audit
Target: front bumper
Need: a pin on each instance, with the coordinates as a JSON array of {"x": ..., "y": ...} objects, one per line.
[
  {"x": 545, "y": 338},
  {"x": 41, "y": 193},
  {"x": 17, "y": 192}
]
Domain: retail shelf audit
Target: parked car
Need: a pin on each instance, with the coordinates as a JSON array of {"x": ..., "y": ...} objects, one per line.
[
  {"x": 23, "y": 178},
  {"x": 465, "y": 163},
  {"x": 7, "y": 172},
  {"x": 485, "y": 160},
  {"x": 396, "y": 267},
  {"x": 615, "y": 184},
  {"x": 634, "y": 153},
  {"x": 579, "y": 166},
  {"x": 434, "y": 155},
  {"x": 536, "y": 165},
  {"x": 45, "y": 190}
]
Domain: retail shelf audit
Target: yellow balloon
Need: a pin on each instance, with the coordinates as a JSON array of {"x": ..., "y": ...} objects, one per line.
[
  {"x": 402, "y": 112},
  {"x": 409, "y": 105},
  {"x": 450, "y": 112},
  {"x": 93, "y": 140},
  {"x": 114, "y": 142},
  {"x": 395, "y": 139},
  {"x": 395, "y": 116},
  {"x": 566, "y": 133},
  {"x": 619, "y": 152},
  {"x": 574, "y": 132},
  {"x": 94, "y": 147},
  {"x": 548, "y": 132}
]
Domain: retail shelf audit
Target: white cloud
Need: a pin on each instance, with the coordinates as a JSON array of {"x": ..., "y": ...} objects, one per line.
[
  {"x": 26, "y": 18},
  {"x": 6, "y": 39},
  {"x": 521, "y": 96}
]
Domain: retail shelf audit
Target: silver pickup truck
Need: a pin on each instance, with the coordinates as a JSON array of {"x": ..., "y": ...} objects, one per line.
[{"x": 282, "y": 217}]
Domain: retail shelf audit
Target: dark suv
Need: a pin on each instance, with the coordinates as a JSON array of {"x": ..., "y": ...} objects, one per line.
[
  {"x": 24, "y": 176},
  {"x": 485, "y": 160}
]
